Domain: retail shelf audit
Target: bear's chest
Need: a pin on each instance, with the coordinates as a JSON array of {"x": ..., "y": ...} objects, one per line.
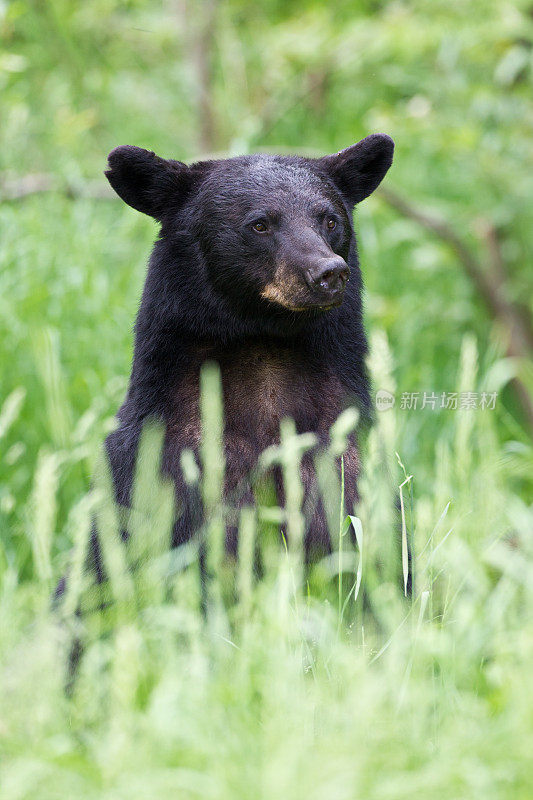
[
  {"x": 261, "y": 386},
  {"x": 264, "y": 387}
]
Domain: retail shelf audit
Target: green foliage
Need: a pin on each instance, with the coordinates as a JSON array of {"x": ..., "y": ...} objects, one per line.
[
  {"x": 325, "y": 684},
  {"x": 321, "y": 683}
]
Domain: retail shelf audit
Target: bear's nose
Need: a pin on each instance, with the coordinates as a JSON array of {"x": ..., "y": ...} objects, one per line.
[{"x": 330, "y": 276}]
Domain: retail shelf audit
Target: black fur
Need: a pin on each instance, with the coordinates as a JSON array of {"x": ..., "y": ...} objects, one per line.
[{"x": 217, "y": 288}]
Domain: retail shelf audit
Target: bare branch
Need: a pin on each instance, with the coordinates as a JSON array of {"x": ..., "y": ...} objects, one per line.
[
  {"x": 18, "y": 188},
  {"x": 515, "y": 321}
]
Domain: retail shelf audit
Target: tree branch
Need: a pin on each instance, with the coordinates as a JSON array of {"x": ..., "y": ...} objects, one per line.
[
  {"x": 490, "y": 284},
  {"x": 18, "y": 188},
  {"x": 200, "y": 21}
]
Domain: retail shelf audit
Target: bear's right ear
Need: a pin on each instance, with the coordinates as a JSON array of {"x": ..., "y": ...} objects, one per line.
[{"x": 147, "y": 182}]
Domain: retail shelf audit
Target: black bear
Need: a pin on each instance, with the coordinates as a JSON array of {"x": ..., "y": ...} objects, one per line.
[{"x": 255, "y": 268}]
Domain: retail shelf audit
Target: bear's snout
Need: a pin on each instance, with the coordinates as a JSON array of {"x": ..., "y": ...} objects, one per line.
[{"x": 328, "y": 278}]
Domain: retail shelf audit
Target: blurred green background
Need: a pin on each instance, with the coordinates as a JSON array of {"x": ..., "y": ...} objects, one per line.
[
  {"x": 445, "y": 249},
  {"x": 449, "y": 81}
]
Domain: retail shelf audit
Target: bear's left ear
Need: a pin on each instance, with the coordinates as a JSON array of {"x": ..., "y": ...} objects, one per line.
[
  {"x": 146, "y": 182},
  {"x": 359, "y": 169}
]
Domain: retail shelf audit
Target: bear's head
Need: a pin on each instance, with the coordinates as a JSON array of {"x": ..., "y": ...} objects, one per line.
[{"x": 272, "y": 234}]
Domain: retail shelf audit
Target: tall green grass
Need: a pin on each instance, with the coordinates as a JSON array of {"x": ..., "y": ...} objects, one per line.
[{"x": 306, "y": 682}]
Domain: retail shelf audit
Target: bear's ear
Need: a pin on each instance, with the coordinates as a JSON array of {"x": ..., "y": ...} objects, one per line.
[
  {"x": 359, "y": 169},
  {"x": 147, "y": 182}
]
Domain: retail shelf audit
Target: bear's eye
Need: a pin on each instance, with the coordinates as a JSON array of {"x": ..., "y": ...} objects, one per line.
[
  {"x": 331, "y": 223},
  {"x": 261, "y": 226}
]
